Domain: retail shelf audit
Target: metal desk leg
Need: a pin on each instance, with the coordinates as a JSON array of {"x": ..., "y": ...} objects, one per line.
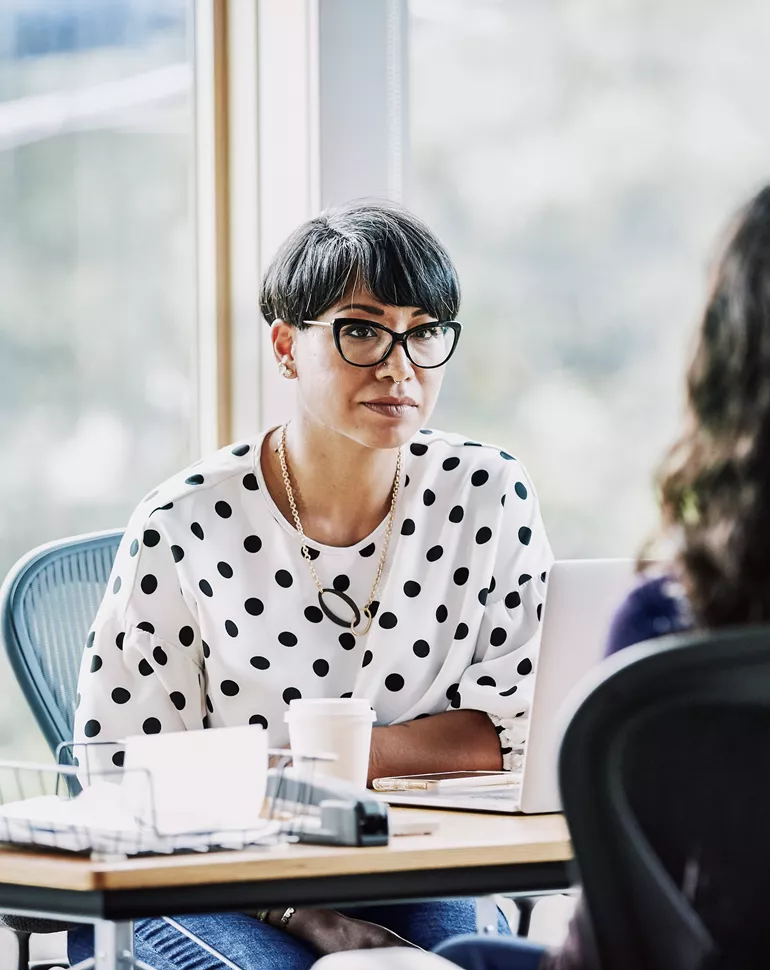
[{"x": 114, "y": 945}]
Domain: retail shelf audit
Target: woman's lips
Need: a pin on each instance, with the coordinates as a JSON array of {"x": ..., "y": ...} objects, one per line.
[{"x": 391, "y": 407}]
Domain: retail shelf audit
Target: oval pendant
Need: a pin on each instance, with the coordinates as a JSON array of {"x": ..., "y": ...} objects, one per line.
[
  {"x": 362, "y": 633},
  {"x": 356, "y": 613}
]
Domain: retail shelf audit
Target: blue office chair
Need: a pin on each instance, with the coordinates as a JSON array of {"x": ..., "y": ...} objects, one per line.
[{"x": 47, "y": 605}]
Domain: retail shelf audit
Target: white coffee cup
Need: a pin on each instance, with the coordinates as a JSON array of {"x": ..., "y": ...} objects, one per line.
[{"x": 340, "y": 726}]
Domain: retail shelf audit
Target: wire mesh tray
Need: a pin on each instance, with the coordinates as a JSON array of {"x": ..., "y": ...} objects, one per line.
[{"x": 75, "y": 809}]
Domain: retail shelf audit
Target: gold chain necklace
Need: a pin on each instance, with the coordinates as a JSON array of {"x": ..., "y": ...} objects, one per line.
[{"x": 357, "y": 614}]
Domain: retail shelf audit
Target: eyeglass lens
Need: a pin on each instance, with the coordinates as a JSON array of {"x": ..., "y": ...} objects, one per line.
[{"x": 364, "y": 344}]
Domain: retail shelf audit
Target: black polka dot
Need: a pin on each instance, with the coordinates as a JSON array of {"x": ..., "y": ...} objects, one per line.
[
  {"x": 509, "y": 692},
  {"x": 434, "y": 553},
  {"x": 483, "y": 594},
  {"x": 483, "y": 535},
  {"x": 388, "y": 620},
  {"x": 341, "y": 583},
  {"x": 492, "y": 584},
  {"x": 206, "y": 723},
  {"x": 367, "y": 550},
  {"x": 406, "y": 481},
  {"x": 160, "y": 656},
  {"x": 163, "y": 508},
  {"x": 512, "y": 600},
  {"x": 250, "y": 482},
  {"x": 539, "y": 610},
  {"x": 407, "y": 527},
  {"x": 254, "y": 606},
  {"x": 421, "y": 648},
  {"x": 425, "y": 431},
  {"x": 428, "y": 497},
  {"x": 525, "y": 666},
  {"x": 461, "y": 576},
  {"x": 287, "y": 639},
  {"x": 225, "y": 570},
  {"x": 134, "y": 548},
  {"x": 504, "y": 454},
  {"x": 498, "y": 636},
  {"x": 197, "y": 530},
  {"x": 205, "y": 587},
  {"x": 457, "y": 514},
  {"x": 258, "y": 719},
  {"x": 521, "y": 489},
  {"x": 96, "y": 663},
  {"x": 524, "y": 578},
  {"x": 91, "y": 728},
  {"x": 149, "y": 584},
  {"x": 442, "y": 613},
  {"x": 120, "y": 695},
  {"x": 241, "y": 450},
  {"x": 321, "y": 668},
  {"x": 486, "y": 682},
  {"x": 178, "y": 700},
  {"x": 367, "y": 658},
  {"x": 186, "y": 636},
  {"x": 118, "y": 583},
  {"x": 119, "y": 640},
  {"x": 347, "y": 641},
  {"x": 151, "y": 537},
  {"x": 209, "y": 705},
  {"x": 452, "y": 691},
  {"x": 543, "y": 577},
  {"x": 90, "y": 640},
  {"x": 375, "y": 605},
  {"x": 223, "y": 510},
  {"x": 480, "y": 477},
  {"x": 472, "y": 444},
  {"x": 348, "y": 693},
  {"x": 146, "y": 626},
  {"x": 456, "y": 701},
  {"x": 411, "y": 588},
  {"x": 449, "y": 464},
  {"x": 151, "y": 726},
  {"x": 229, "y": 688},
  {"x": 394, "y": 682},
  {"x": 252, "y": 543},
  {"x": 291, "y": 694},
  {"x": 144, "y": 668},
  {"x": 284, "y": 578},
  {"x": 118, "y": 758},
  {"x": 462, "y": 631},
  {"x": 206, "y": 649},
  {"x": 502, "y": 500},
  {"x": 194, "y": 480},
  {"x": 231, "y": 628},
  {"x": 260, "y": 663},
  {"x": 525, "y": 534},
  {"x": 418, "y": 449},
  {"x": 313, "y": 614}
]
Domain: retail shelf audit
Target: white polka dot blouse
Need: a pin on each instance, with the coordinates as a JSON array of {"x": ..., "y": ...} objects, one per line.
[{"x": 211, "y": 617}]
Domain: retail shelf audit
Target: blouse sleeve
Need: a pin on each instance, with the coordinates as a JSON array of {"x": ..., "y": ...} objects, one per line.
[
  {"x": 499, "y": 681},
  {"x": 142, "y": 663}
]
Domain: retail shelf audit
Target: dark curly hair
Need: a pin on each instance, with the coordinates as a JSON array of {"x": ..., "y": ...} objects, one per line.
[{"x": 715, "y": 482}]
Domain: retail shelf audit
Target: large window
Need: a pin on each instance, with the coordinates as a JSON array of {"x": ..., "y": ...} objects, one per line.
[
  {"x": 580, "y": 160},
  {"x": 97, "y": 314}
]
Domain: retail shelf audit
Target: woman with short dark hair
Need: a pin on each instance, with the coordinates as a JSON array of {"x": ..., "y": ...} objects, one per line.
[{"x": 352, "y": 552}]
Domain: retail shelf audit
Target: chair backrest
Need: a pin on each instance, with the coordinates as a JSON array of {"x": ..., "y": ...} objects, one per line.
[
  {"x": 667, "y": 796},
  {"x": 47, "y": 605}
]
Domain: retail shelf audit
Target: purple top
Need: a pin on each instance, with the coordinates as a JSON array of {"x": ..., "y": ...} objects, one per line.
[{"x": 655, "y": 608}]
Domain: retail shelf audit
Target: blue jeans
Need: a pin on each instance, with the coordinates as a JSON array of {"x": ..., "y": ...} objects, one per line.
[
  {"x": 252, "y": 945},
  {"x": 491, "y": 953}
]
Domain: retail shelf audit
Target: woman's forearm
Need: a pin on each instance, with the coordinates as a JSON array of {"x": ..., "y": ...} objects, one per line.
[{"x": 453, "y": 741}]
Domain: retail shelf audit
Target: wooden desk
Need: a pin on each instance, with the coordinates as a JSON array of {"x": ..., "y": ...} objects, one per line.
[{"x": 468, "y": 855}]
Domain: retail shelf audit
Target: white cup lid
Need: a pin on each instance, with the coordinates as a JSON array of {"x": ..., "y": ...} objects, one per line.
[{"x": 326, "y": 706}]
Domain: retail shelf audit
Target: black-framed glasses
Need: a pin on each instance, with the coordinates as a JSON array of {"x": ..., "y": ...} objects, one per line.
[{"x": 364, "y": 343}]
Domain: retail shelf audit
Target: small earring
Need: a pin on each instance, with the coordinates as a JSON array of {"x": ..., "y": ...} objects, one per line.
[{"x": 283, "y": 368}]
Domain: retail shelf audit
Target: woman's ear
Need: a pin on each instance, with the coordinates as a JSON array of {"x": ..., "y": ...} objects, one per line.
[{"x": 282, "y": 337}]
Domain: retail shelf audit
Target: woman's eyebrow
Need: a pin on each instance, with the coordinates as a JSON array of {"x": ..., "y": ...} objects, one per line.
[{"x": 362, "y": 306}]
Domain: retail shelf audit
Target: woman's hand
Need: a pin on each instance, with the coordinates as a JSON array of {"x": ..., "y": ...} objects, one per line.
[{"x": 328, "y": 931}]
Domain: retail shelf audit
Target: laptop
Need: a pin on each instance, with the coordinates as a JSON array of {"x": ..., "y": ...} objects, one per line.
[{"x": 583, "y": 595}]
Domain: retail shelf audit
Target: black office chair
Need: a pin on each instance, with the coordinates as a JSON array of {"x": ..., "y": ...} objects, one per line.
[{"x": 663, "y": 772}]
